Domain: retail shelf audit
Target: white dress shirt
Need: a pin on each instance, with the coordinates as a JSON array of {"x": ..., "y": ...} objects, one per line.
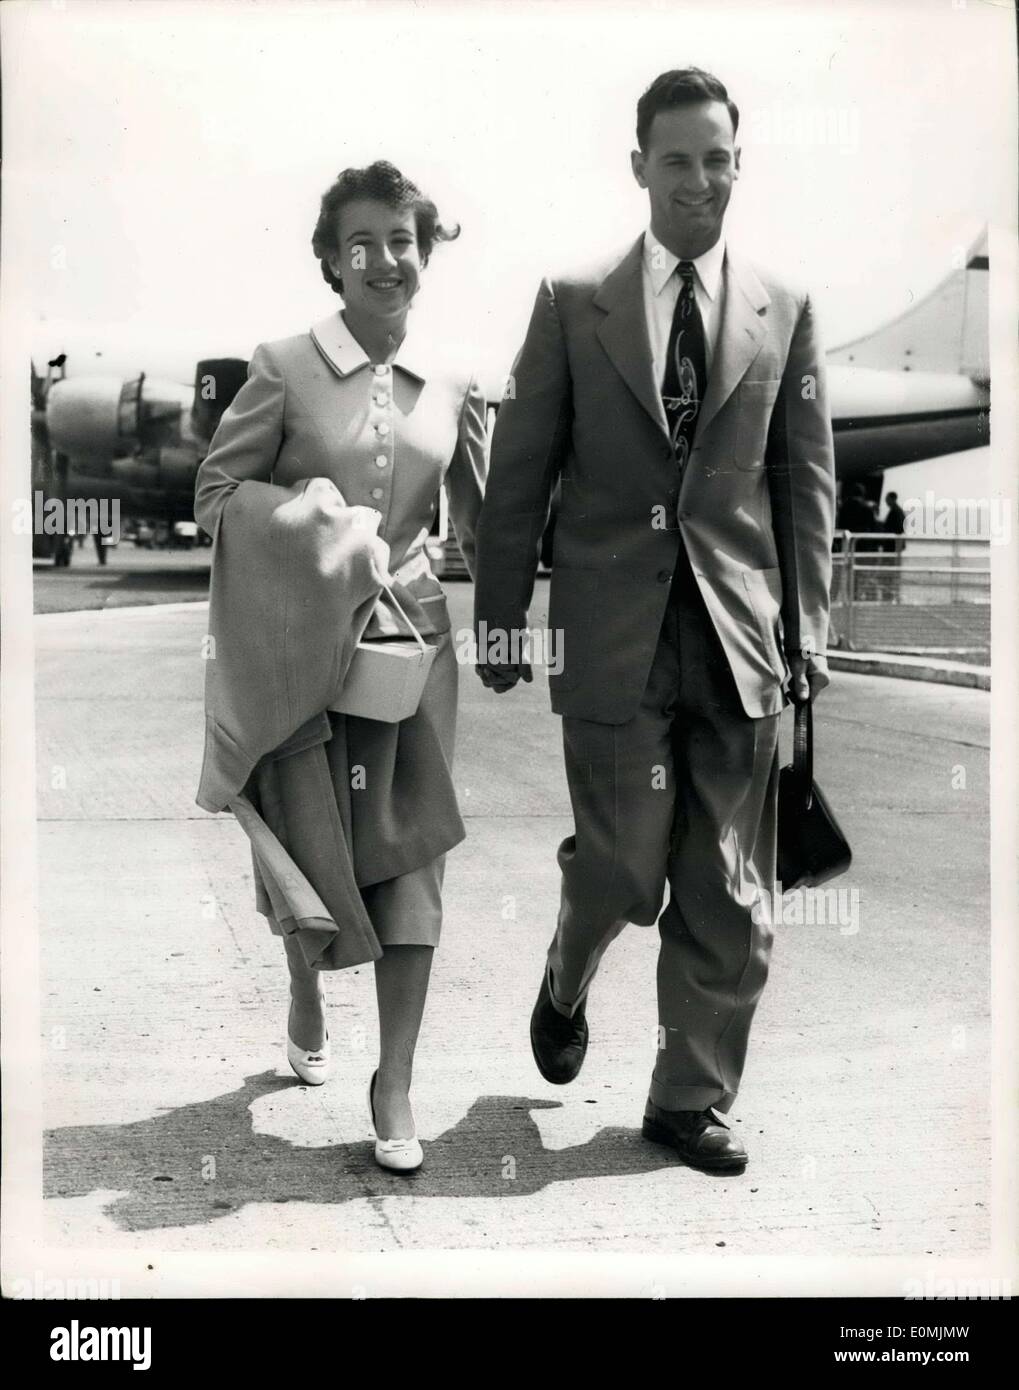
[{"x": 661, "y": 290}]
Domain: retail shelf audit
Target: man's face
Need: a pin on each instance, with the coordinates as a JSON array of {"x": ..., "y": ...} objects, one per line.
[{"x": 689, "y": 167}]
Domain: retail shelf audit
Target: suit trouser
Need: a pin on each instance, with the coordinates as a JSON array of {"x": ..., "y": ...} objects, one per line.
[{"x": 684, "y": 793}]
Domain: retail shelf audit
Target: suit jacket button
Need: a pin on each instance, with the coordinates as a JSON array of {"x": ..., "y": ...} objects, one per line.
[{"x": 664, "y": 576}]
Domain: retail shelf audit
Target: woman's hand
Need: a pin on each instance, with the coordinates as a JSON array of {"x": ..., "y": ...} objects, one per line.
[
  {"x": 368, "y": 519},
  {"x": 380, "y": 562}
]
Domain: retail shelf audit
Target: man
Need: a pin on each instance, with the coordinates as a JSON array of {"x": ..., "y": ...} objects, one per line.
[
  {"x": 895, "y": 524},
  {"x": 858, "y": 514},
  {"x": 895, "y": 518},
  {"x": 677, "y": 395}
]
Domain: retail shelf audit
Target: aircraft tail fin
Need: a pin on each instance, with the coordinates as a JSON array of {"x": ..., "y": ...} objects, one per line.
[{"x": 945, "y": 332}]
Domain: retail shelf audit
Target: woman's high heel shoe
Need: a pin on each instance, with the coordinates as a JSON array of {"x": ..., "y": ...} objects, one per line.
[
  {"x": 398, "y": 1155},
  {"x": 312, "y": 1067}
]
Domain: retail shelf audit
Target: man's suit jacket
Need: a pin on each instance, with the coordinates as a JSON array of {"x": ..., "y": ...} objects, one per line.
[{"x": 754, "y": 507}]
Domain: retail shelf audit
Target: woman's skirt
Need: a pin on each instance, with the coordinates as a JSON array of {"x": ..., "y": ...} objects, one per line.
[{"x": 390, "y": 813}]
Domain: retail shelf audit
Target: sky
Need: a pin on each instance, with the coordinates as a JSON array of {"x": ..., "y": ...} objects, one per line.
[{"x": 164, "y": 161}]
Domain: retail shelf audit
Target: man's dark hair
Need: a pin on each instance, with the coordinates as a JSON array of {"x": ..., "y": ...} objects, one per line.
[
  {"x": 383, "y": 182},
  {"x": 680, "y": 87}
]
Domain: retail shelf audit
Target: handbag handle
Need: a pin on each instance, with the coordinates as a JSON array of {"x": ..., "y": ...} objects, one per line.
[
  {"x": 803, "y": 751},
  {"x": 400, "y": 609}
]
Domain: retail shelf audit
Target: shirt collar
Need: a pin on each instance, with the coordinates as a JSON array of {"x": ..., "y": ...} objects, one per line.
[
  {"x": 659, "y": 263},
  {"x": 336, "y": 342}
]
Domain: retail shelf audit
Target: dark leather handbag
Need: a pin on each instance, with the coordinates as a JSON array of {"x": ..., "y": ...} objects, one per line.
[{"x": 811, "y": 846}]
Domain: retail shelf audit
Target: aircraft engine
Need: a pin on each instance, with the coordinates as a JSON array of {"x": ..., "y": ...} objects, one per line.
[
  {"x": 92, "y": 415},
  {"x": 99, "y": 416}
]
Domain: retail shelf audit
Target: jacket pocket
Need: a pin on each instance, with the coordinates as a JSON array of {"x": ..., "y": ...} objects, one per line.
[
  {"x": 572, "y": 598},
  {"x": 756, "y": 402},
  {"x": 764, "y": 590}
]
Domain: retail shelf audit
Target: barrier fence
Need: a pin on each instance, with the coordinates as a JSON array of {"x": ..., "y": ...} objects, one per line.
[
  {"x": 917, "y": 595},
  {"x": 910, "y": 595}
]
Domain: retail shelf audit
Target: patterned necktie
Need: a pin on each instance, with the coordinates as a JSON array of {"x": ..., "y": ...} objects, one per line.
[{"x": 686, "y": 370}]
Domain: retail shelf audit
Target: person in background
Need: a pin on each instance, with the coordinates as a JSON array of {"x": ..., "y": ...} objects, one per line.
[
  {"x": 858, "y": 515},
  {"x": 894, "y": 522}
]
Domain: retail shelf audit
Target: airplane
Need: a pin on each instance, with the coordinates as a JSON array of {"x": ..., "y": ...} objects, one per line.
[
  {"x": 915, "y": 388},
  {"x": 918, "y": 386},
  {"x": 135, "y": 438}
]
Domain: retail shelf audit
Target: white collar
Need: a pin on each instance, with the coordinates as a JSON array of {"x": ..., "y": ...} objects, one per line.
[
  {"x": 339, "y": 346},
  {"x": 659, "y": 262}
]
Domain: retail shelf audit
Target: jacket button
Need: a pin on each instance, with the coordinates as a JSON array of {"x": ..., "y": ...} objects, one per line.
[
  {"x": 664, "y": 576},
  {"x": 377, "y": 493},
  {"x": 380, "y": 461}
]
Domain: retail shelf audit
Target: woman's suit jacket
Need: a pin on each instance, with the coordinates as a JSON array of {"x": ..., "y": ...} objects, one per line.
[{"x": 388, "y": 437}]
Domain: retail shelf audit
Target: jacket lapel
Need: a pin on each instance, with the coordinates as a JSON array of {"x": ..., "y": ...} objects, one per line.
[
  {"x": 623, "y": 332},
  {"x": 740, "y": 335},
  {"x": 345, "y": 354},
  {"x": 338, "y": 345}
]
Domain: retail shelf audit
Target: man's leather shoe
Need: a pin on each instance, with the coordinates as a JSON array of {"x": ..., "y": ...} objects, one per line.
[
  {"x": 558, "y": 1043},
  {"x": 698, "y": 1136}
]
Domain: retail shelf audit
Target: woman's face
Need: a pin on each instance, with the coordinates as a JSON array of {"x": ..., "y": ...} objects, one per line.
[{"x": 378, "y": 258}]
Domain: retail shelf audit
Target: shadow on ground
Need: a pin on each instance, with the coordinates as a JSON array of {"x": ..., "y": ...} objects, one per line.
[
  {"x": 157, "y": 1164},
  {"x": 116, "y": 586}
]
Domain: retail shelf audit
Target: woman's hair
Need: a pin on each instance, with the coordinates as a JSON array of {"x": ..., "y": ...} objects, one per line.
[{"x": 383, "y": 182}]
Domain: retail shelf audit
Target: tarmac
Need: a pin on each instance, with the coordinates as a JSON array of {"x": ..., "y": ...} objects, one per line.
[{"x": 173, "y": 1123}]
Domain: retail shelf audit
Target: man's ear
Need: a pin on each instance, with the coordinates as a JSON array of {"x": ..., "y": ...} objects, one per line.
[
  {"x": 735, "y": 157},
  {"x": 637, "y": 164}
]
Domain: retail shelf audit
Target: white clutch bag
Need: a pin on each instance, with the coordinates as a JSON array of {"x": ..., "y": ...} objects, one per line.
[{"x": 385, "y": 680}]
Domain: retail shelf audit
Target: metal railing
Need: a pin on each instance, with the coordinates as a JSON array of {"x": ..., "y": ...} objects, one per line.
[{"x": 915, "y": 594}]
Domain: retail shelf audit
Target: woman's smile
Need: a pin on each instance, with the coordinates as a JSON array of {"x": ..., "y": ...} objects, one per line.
[{"x": 385, "y": 284}]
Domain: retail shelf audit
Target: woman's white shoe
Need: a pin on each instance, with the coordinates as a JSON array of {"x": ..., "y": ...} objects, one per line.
[
  {"x": 312, "y": 1067},
  {"x": 398, "y": 1155}
]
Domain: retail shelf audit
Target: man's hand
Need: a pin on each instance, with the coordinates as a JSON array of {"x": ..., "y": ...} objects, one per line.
[
  {"x": 503, "y": 678},
  {"x": 804, "y": 686}
]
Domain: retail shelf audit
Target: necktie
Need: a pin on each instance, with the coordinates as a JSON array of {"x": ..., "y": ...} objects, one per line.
[{"x": 686, "y": 371}]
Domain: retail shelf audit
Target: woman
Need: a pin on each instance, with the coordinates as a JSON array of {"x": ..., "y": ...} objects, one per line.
[{"x": 363, "y": 401}]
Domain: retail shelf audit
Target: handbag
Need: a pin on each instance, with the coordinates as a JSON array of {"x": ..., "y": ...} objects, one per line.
[
  {"x": 811, "y": 846},
  {"x": 386, "y": 679}
]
